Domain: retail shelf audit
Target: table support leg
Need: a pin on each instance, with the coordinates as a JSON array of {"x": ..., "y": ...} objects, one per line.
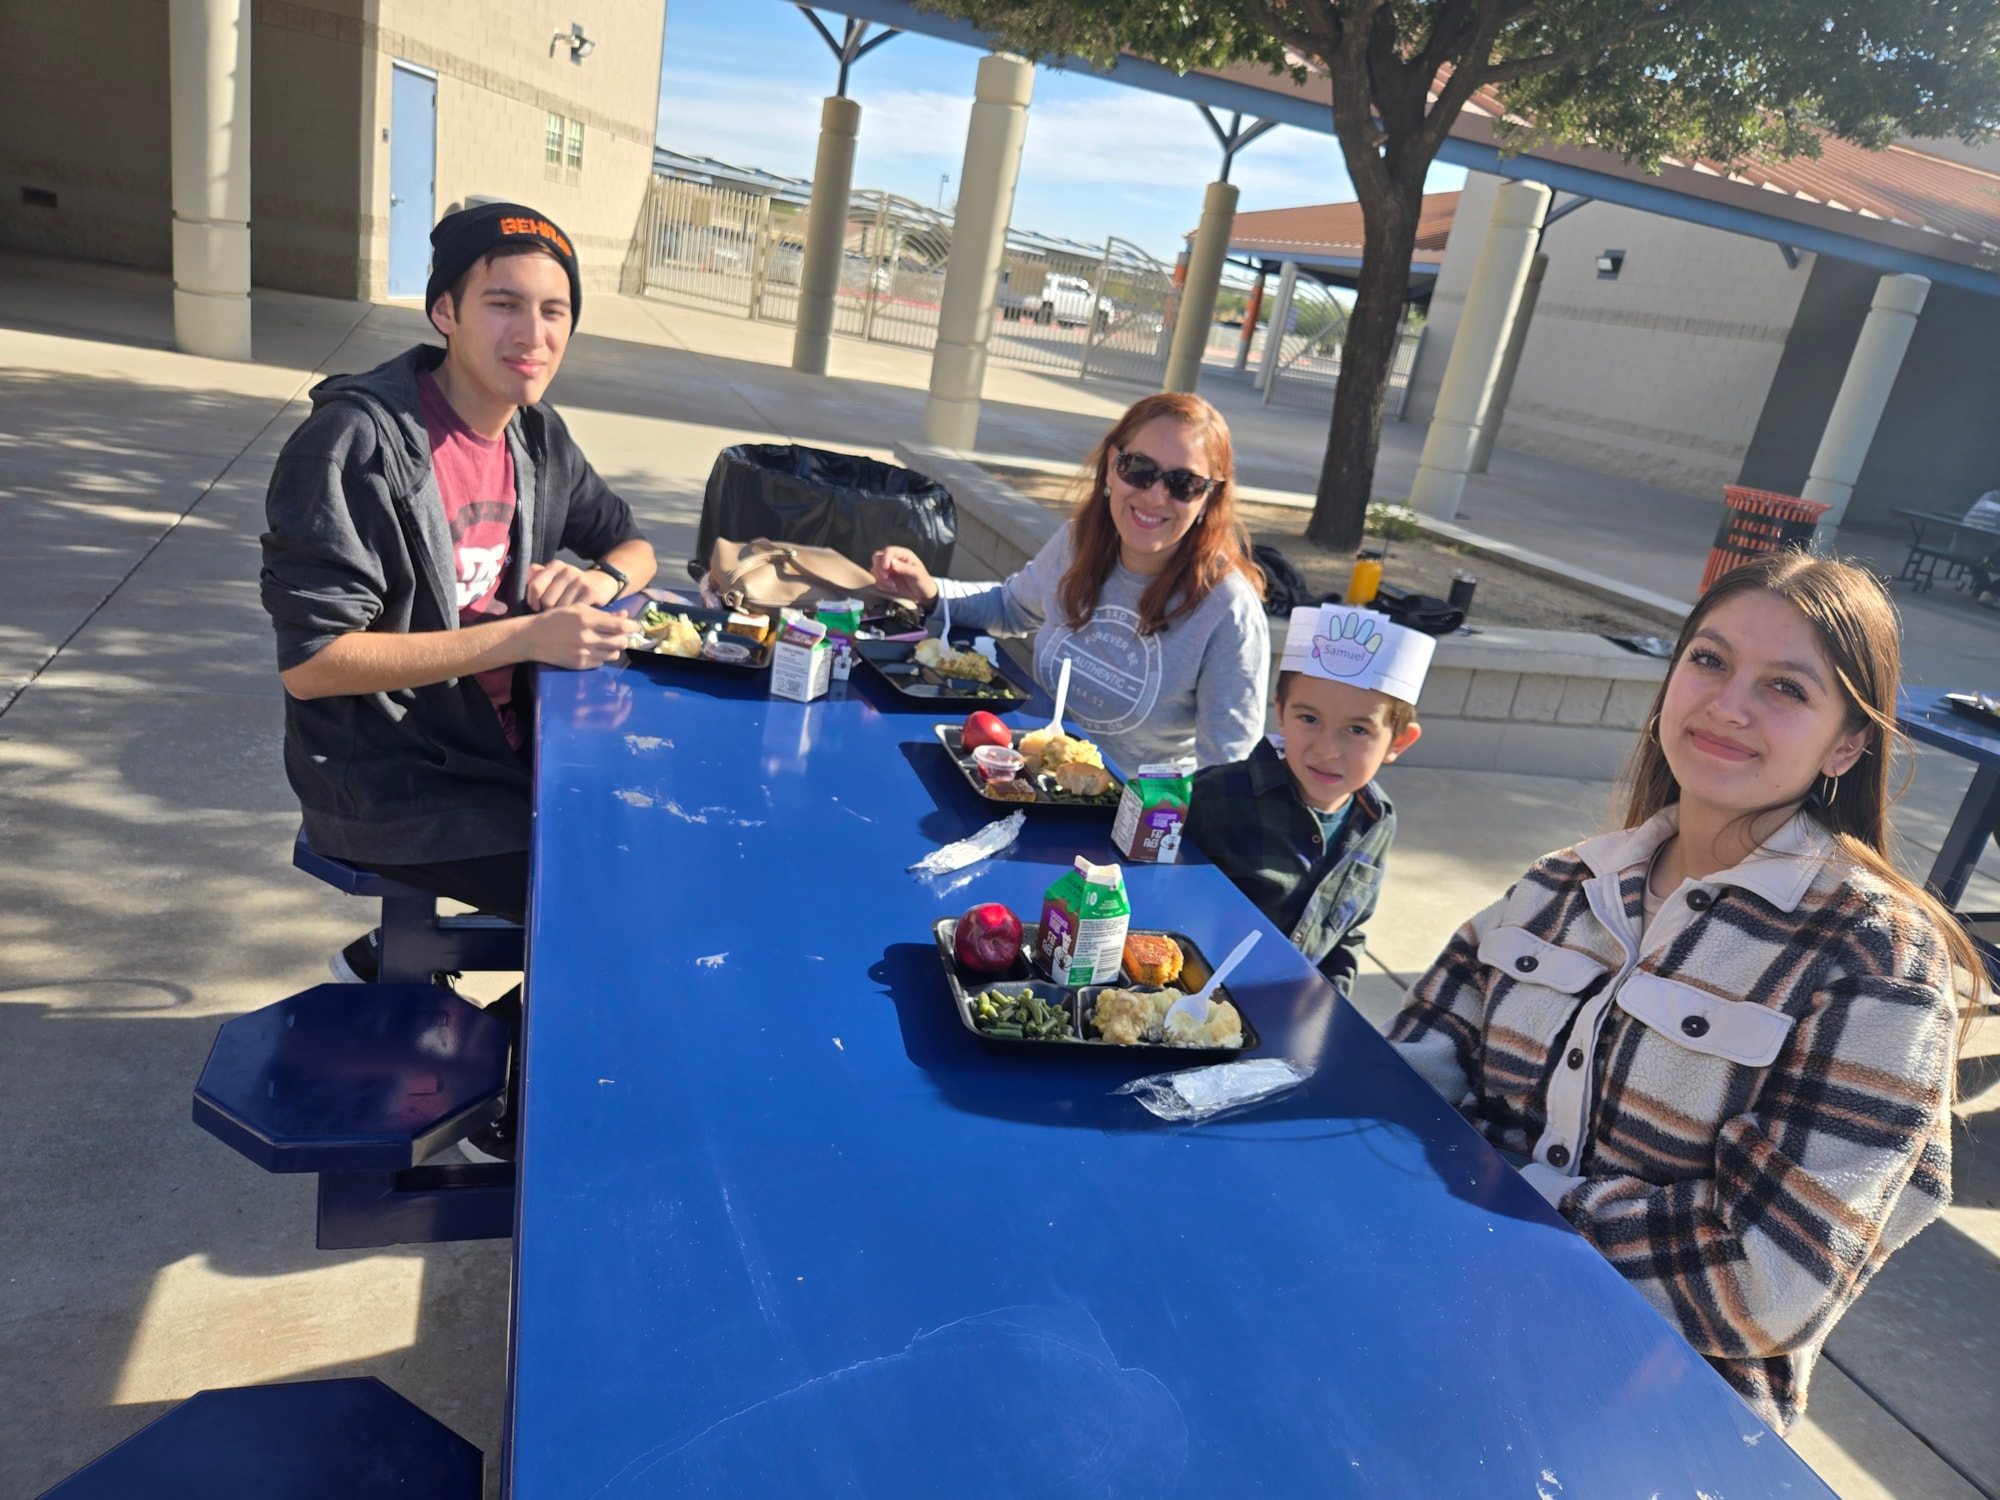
[
  {"x": 418, "y": 1206},
  {"x": 1978, "y": 817}
]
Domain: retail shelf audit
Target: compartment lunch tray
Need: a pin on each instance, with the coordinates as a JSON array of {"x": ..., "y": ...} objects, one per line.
[
  {"x": 1080, "y": 1002},
  {"x": 759, "y": 653},
  {"x": 1981, "y": 708},
  {"x": 1104, "y": 804},
  {"x": 895, "y": 663}
]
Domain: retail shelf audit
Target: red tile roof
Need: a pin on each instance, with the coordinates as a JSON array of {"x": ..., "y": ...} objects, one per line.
[{"x": 1333, "y": 230}]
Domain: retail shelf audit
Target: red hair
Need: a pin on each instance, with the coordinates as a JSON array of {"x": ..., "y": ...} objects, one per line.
[{"x": 1214, "y": 547}]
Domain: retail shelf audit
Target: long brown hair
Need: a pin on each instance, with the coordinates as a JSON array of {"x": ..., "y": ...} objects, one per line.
[
  {"x": 1859, "y": 636},
  {"x": 1215, "y": 546}
]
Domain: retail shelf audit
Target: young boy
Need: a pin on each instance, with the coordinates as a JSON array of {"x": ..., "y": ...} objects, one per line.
[{"x": 1304, "y": 832}]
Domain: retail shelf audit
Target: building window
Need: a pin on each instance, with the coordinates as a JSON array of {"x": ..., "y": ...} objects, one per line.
[
  {"x": 552, "y": 141},
  {"x": 574, "y": 160}
]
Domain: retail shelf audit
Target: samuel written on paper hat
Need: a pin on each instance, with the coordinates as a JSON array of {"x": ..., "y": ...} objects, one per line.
[{"x": 1359, "y": 646}]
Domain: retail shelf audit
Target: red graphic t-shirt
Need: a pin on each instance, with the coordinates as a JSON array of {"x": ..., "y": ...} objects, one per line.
[{"x": 475, "y": 475}]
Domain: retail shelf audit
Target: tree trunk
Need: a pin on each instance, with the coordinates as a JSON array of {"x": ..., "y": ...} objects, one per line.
[{"x": 1347, "y": 473}]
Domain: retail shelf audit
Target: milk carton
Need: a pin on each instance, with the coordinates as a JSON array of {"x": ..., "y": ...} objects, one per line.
[
  {"x": 1152, "y": 813},
  {"x": 802, "y": 661},
  {"x": 1084, "y": 917}
]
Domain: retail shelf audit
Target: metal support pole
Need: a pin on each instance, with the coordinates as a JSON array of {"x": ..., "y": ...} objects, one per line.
[
  {"x": 760, "y": 257},
  {"x": 1204, "y": 280},
  {"x": 1249, "y": 333},
  {"x": 1094, "y": 329},
  {"x": 979, "y": 238},
  {"x": 208, "y": 66},
  {"x": 1497, "y": 279},
  {"x": 1274, "y": 334},
  {"x": 826, "y": 234}
]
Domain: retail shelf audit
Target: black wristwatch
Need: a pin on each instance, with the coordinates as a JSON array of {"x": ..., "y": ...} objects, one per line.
[{"x": 624, "y": 583}]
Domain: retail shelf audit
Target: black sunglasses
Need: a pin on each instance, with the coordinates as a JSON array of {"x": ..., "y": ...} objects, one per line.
[{"x": 1183, "y": 486}]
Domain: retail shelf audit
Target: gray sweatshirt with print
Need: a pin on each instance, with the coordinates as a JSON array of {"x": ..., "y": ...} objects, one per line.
[{"x": 1195, "y": 688}]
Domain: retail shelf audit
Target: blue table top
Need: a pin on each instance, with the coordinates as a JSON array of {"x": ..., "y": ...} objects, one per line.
[
  {"x": 786, "y": 1229},
  {"x": 1925, "y": 717}
]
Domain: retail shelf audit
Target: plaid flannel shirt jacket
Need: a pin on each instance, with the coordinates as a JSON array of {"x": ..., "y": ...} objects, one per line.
[
  {"x": 1746, "y": 1111},
  {"x": 1248, "y": 817}
]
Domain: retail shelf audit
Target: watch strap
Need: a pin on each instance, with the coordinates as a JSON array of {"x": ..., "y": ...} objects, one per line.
[{"x": 624, "y": 583}]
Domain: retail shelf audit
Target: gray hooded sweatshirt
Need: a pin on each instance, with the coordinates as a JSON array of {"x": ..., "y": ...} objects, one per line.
[
  {"x": 358, "y": 541},
  {"x": 1196, "y": 687}
]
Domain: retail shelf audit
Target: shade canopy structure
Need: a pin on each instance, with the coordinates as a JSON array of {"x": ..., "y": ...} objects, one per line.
[
  {"x": 1898, "y": 210},
  {"x": 1324, "y": 239}
]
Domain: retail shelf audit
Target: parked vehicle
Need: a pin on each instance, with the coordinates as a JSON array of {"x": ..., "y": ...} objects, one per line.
[{"x": 1063, "y": 300}]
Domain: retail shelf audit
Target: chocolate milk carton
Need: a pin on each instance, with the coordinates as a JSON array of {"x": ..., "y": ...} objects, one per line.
[
  {"x": 1152, "y": 812},
  {"x": 1084, "y": 917}
]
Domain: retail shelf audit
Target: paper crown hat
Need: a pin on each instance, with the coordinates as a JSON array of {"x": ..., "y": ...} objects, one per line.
[{"x": 1343, "y": 643}]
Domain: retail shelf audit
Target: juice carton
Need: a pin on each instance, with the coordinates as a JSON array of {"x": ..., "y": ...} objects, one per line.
[
  {"x": 1152, "y": 813},
  {"x": 1084, "y": 917}
]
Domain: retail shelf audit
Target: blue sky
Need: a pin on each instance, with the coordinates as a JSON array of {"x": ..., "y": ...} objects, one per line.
[{"x": 742, "y": 80}]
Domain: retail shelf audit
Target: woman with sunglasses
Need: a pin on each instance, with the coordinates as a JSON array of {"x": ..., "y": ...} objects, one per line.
[{"x": 1149, "y": 590}]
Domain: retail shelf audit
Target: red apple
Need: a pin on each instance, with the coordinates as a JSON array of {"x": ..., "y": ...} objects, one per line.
[
  {"x": 983, "y": 728},
  {"x": 987, "y": 939}
]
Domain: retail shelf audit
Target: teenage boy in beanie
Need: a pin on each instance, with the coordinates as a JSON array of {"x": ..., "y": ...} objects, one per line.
[
  {"x": 1304, "y": 831},
  {"x": 410, "y": 570}
]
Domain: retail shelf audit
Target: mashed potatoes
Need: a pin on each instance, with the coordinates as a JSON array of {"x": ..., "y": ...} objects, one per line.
[{"x": 1127, "y": 1017}]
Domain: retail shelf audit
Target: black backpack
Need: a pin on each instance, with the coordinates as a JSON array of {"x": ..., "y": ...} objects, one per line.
[{"x": 1285, "y": 587}]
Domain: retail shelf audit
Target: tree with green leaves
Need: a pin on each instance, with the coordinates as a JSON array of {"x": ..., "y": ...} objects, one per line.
[{"x": 1717, "y": 79}]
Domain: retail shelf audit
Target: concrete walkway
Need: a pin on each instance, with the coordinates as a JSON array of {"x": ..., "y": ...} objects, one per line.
[{"x": 147, "y": 891}]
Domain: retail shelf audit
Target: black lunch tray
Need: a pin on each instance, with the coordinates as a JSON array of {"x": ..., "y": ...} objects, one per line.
[
  {"x": 1047, "y": 798},
  {"x": 701, "y": 619},
  {"x": 1973, "y": 706},
  {"x": 1080, "y": 1002},
  {"x": 894, "y": 662}
]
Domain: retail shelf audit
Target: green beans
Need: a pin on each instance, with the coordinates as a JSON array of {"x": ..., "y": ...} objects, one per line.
[{"x": 1022, "y": 1017}]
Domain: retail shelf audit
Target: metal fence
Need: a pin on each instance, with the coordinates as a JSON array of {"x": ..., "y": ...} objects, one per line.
[
  {"x": 1108, "y": 314},
  {"x": 1310, "y": 352}
]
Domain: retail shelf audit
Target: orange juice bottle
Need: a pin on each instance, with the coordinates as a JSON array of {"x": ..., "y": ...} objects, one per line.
[{"x": 1365, "y": 579}]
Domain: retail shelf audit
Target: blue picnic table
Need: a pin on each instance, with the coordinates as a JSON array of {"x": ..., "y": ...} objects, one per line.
[
  {"x": 1924, "y": 716},
  {"x": 785, "y": 1228}
]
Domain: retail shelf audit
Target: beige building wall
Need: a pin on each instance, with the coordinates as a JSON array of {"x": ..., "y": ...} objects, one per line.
[
  {"x": 87, "y": 121},
  {"x": 1658, "y": 375},
  {"x": 497, "y": 85}
]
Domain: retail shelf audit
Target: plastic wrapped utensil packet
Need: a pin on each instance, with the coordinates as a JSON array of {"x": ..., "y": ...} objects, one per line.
[
  {"x": 984, "y": 844},
  {"x": 1204, "y": 1093}
]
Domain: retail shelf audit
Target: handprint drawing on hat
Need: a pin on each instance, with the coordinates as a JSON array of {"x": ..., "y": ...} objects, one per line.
[{"x": 1349, "y": 653}]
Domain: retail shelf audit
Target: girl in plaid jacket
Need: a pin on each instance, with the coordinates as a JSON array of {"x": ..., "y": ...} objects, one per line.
[{"x": 1723, "y": 1037}]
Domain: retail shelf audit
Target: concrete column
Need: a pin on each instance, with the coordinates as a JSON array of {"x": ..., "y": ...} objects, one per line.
[
  {"x": 1250, "y": 311},
  {"x": 1469, "y": 376},
  {"x": 978, "y": 245},
  {"x": 826, "y": 234},
  {"x": 1204, "y": 280},
  {"x": 1857, "y": 410},
  {"x": 1275, "y": 329},
  {"x": 208, "y": 66},
  {"x": 1510, "y": 361}
]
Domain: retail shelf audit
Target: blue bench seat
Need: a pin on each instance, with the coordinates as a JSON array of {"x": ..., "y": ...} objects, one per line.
[
  {"x": 351, "y": 1439},
  {"x": 360, "y": 1083},
  {"x": 416, "y": 941}
]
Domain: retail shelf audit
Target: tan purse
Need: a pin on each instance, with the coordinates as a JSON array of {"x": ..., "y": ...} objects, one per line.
[{"x": 766, "y": 575}]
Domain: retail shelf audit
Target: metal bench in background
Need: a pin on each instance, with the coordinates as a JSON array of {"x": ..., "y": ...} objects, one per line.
[
  {"x": 351, "y": 1439},
  {"x": 416, "y": 941},
  {"x": 361, "y": 1083}
]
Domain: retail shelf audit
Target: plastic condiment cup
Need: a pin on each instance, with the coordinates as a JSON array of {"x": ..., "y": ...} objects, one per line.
[{"x": 998, "y": 763}]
